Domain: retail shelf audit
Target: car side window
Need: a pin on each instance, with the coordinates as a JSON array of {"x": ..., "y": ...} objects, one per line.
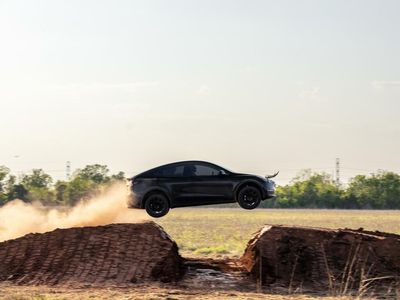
[
  {"x": 203, "y": 170},
  {"x": 178, "y": 171},
  {"x": 189, "y": 170}
]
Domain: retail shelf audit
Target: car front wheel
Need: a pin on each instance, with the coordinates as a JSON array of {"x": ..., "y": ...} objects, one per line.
[
  {"x": 249, "y": 197},
  {"x": 157, "y": 205}
]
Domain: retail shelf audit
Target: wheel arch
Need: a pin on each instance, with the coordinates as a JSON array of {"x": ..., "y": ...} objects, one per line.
[
  {"x": 153, "y": 191},
  {"x": 245, "y": 183}
]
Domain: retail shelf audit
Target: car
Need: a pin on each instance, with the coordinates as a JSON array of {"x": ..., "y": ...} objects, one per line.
[{"x": 192, "y": 183}]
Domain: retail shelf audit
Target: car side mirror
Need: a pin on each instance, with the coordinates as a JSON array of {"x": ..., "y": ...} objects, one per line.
[{"x": 221, "y": 172}]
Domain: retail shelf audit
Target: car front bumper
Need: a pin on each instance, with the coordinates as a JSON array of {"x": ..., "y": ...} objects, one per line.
[
  {"x": 269, "y": 190},
  {"x": 269, "y": 194}
]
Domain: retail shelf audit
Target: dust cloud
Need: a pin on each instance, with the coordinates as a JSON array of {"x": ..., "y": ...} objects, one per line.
[{"x": 18, "y": 218}]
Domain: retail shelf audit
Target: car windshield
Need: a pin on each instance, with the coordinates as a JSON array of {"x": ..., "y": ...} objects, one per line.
[{"x": 226, "y": 170}]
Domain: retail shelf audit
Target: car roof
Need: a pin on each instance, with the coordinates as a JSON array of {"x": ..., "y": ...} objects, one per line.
[
  {"x": 189, "y": 161},
  {"x": 183, "y": 162}
]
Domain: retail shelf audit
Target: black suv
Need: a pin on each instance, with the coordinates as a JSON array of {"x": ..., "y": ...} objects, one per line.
[{"x": 190, "y": 183}]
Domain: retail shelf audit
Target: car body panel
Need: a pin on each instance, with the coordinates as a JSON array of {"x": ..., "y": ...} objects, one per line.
[
  {"x": 213, "y": 185},
  {"x": 201, "y": 189}
]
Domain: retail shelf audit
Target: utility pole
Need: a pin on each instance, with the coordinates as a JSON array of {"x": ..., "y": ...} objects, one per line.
[
  {"x": 337, "y": 171},
  {"x": 68, "y": 170}
]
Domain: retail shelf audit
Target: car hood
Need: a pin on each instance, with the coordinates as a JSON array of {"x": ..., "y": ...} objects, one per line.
[{"x": 251, "y": 175}]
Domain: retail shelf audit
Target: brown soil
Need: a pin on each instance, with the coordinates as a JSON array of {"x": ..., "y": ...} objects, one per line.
[
  {"x": 142, "y": 257},
  {"x": 337, "y": 260},
  {"x": 112, "y": 255}
]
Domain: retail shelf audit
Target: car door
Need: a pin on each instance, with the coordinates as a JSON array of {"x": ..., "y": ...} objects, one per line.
[{"x": 202, "y": 184}]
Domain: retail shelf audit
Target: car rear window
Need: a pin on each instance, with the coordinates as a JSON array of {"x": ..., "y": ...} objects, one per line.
[{"x": 168, "y": 171}]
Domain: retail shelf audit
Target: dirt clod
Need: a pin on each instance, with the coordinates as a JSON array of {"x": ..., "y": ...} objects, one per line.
[
  {"x": 112, "y": 255},
  {"x": 338, "y": 260}
]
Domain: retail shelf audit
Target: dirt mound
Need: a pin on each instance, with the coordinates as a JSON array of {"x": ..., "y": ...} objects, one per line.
[
  {"x": 117, "y": 254},
  {"x": 339, "y": 260}
]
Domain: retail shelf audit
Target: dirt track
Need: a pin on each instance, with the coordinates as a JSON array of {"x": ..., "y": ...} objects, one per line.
[{"x": 130, "y": 255}]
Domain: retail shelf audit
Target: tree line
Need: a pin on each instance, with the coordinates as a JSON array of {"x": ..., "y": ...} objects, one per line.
[
  {"x": 307, "y": 190},
  {"x": 39, "y": 186},
  {"x": 319, "y": 190}
]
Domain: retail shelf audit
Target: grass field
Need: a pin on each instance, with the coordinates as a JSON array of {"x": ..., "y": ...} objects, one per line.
[{"x": 225, "y": 231}]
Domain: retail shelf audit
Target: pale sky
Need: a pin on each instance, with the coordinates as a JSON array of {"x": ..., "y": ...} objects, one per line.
[{"x": 256, "y": 86}]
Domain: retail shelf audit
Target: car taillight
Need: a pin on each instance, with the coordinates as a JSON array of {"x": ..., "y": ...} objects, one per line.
[{"x": 133, "y": 183}]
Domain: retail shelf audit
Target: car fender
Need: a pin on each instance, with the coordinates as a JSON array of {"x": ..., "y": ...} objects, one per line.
[
  {"x": 246, "y": 182},
  {"x": 157, "y": 189}
]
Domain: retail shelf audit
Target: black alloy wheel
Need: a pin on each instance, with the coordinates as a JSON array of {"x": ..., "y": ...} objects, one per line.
[
  {"x": 157, "y": 205},
  {"x": 249, "y": 197}
]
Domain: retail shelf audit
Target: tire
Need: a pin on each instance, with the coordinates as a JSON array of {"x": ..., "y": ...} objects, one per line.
[
  {"x": 249, "y": 197},
  {"x": 157, "y": 205}
]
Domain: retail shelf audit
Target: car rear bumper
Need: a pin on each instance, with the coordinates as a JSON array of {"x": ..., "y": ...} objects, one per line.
[{"x": 134, "y": 200}]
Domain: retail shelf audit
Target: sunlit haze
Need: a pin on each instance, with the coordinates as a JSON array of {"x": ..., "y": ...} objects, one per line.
[{"x": 255, "y": 86}]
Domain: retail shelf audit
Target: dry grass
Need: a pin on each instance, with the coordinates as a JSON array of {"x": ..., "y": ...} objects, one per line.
[
  {"x": 9, "y": 292},
  {"x": 225, "y": 231}
]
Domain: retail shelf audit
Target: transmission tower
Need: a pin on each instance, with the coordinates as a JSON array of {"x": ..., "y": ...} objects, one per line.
[
  {"x": 68, "y": 170},
  {"x": 337, "y": 171}
]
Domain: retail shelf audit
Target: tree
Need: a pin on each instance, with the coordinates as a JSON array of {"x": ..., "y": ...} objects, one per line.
[
  {"x": 120, "y": 176},
  {"x": 4, "y": 172},
  {"x": 377, "y": 191},
  {"x": 38, "y": 179},
  {"x": 96, "y": 173},
  {"x": 311, "y": 190},
  {"x": 38, "y": 185},
  {"x": 15, "y": 190},
  {"x": 86, "y": 183},
  {"x": 79, "y": 189},
  {"x": 60, "y": 190},
  {"x": 390, "y": 189}
]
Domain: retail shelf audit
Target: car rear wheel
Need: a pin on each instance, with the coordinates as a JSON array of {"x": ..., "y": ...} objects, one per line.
[
  {"x": 249, "y": 197},
  {"x": 157, "y": 205}
]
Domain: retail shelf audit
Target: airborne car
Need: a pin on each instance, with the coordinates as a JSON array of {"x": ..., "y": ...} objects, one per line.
[{"x": 191, "y": 183}]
